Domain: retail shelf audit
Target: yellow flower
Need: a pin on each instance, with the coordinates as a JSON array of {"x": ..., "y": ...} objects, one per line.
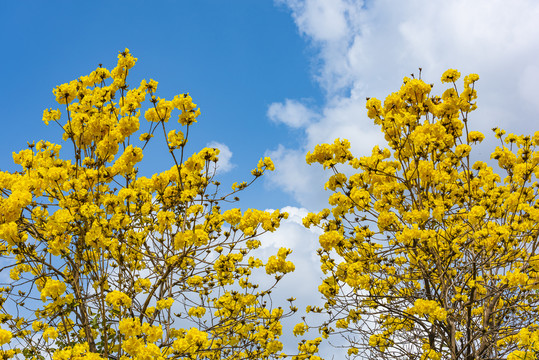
[
  {"x": 49, "y": 114},
  {"x": 15, "y": 273},
  {"x": 5, "y": 336},
  {"x": 329, "y": 288},
  {"x": 470, "y": 79},
  {"x": 197, "y": 311},
  {"x": 476, "y": 214},
  {"x": 164, "y": 303},
  {"x": 330, "y": 239},
  {"x": 38, "y": 325},
  {"x": 130, "y": 327},
  {"x": 51, "y": 333},
  {"x": 118, "y": 299},
  {"x": 475, "y": 136},
  {"x": 279, "y": 264},
  {"x": 299, "y": 329},
  {"x": 450, "y": 75},
  {"x": 374, "y": 107},
  {"x": 430, "y": 308},
  {"x": 65, "y": 93},
  {"x": 150, "y": 310},
  {"x": 193, "y": 340},
  {"x": 263, "y": 163},
  {"x": 386, "y": 219},
  {"x": 133, "y": 345},
  {"x": 142, "y": 284},
  {"x": 175, "y": 139},
  {"x": 53, "y": 288},
  {"x": 341, "y": 324},
  {"x": 463, "y": 150},
  {"x": 153, "y": 333}
]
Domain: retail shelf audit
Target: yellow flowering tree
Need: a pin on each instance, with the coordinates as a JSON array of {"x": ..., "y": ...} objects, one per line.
[
  {"x": 105, "y": 263},
  {"x": 426, "y": 253}
]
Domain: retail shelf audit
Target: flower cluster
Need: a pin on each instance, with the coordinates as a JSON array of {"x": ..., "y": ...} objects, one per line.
[
  {"x": 279, "y": 264},
  {"x": 129, "y": 266},
  {"x": 424, "y": 251}
]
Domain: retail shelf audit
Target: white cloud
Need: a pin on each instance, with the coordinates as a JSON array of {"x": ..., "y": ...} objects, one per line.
[
  {"x": 302, "y": 284},
  {"x": 364, "y": 49},
  {"x": 323, "y": 19},
  {"x": 297, "y": 236},
  {"x": 343, "y": 119},
  {"x": 528, "y": 85},
  {"x": 225, "y": 155},
  {"x": 291, "y": 113},
  {"x": 293, "y": 175}
]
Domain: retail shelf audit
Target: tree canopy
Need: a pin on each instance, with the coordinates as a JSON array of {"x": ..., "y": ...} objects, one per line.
[
  {"x": 426, "y": 253},
  {"x": 106, "y": 263}
]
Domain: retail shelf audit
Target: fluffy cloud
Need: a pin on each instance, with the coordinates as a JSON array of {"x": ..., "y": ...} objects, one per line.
[
  {"x": 303, "y": 283},
  {"x": 292, "y": 113},
  {"x": 225, "y": 155},
  {"x": 365, "y": 48},
  {"x": 304, "y": 243},
  {"x": 294, "y": 176}
]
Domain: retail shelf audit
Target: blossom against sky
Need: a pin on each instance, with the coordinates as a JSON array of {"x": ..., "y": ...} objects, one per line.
[
  {"x": 365, "y": 48},
  {"x": 235, "y": 58},
  {"x": 274, "y": 78}
]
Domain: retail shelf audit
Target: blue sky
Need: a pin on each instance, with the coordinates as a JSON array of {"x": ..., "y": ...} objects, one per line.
[
  {"x": 235, "y": 58},
  {"x": 274, "y": 78},
  {"x": 271, "y": 77}
]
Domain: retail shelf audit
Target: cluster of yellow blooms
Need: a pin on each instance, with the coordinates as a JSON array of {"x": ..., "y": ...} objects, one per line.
[
  {"x": 279, "y": 264},
  {"x": 122, "y": 262},
  {"x": 429, "y": 308},
  {"x": 426, "y": 253},
  {"x": 53, "y": 288}
]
